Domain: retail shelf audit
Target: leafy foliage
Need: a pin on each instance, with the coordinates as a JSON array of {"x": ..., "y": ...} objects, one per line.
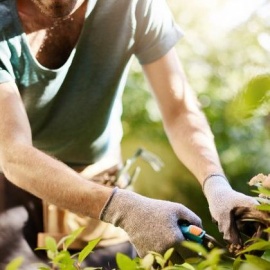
[{"x": 214, "y": 259}]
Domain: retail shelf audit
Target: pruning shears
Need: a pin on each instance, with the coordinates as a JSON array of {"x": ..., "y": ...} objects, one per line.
[
  {"x": 198, "y": 235},
  {"x": 250, "y": 224}
]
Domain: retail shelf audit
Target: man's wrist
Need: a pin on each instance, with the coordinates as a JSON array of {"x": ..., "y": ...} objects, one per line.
[
  {"x": 105, "y": 207},
  {"x": 214, "y": 178}
]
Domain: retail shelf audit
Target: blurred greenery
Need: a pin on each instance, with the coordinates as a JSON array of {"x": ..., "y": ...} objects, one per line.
[{"x": 225, "y": 53}]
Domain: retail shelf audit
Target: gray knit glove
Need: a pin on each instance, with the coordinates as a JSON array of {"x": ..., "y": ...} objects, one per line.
[
  {"x": 152, "y": 225},
  {"x": 222, "y": 199}
]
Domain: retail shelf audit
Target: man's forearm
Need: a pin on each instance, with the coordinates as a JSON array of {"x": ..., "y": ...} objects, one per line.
[
  {"x": 185, "y": 124},
  {"x": 193, "y": 143},
  {"x": 53, "y": 181}
]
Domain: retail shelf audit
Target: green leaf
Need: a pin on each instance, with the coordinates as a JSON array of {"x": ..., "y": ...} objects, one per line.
[
  {"x": 252, "y": 97},
  {"x": 176, "y": 267},
  {"x": 168, "y": 254},
  {"x": 124, "y": 262},
  {"x": 71, "y": 238},
  {"x": 147, "y": 261},
  {"x": 194, "y": 260},
  {"x": 15, "y": 264},
  {"x": 263, "y": 207},
  {"x": 188, "y": 266},
  {"x": 51, "y": 254},
  {"x": 66, "y": 267},
  {"x": 257, "y": 261},
  {"x": 195, "y": 247},
  {"x": 160, "y": 260},
  {"x": 50, "y": 244},
  {"x": 237, "y": 263},
  {"x": 260, "y": 245},
  {"x": 92, "y": 268},
  {"x": 264, "y": 190},
  {"x": 212, "y": 259},
  {"x": 183, "y": 266},
  {"x": 266, "y": 254},
  {"x": 87, "y": 249},
  {"x": 64, "y": 257},
  {"x": 41, "y": 248},
  {"x": 155, "y": 254}
]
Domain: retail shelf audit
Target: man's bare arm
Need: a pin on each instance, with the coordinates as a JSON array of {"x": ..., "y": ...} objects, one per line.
[
  {"x": 36, "y": 172},
  {"x": 185, "y": 124}
]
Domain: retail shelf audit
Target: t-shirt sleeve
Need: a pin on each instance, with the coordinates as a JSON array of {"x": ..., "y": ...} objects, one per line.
[
  {"x": 6, "y": 69},
  {"x": 5, "y": 76},
  {"x": 156, "y": 31}
]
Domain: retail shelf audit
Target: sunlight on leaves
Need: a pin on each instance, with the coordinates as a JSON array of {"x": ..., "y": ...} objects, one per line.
[
  {"x": 87, "y": 249},
  {"x": 147, "y": 261},
  {"x": 198, "y": 248},
  {"x": 124, "y": 262},
  {"x": 15, "y": 264}
]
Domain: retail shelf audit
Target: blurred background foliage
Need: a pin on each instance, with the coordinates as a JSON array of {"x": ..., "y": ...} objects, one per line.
[{"x": 225, "y": 53}]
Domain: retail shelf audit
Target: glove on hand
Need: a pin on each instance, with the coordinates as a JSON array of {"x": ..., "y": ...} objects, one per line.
[
  {"x": 152, "y": 225},
  {"x": 222, "y": 200}
]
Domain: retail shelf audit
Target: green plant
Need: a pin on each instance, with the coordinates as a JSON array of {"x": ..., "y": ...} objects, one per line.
[
  {"x": 60, "y": 257},
  {"x": 15, "y": 264},
  {"x": 255, "y": 255}
]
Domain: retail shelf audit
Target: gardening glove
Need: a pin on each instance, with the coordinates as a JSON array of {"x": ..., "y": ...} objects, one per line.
[
  {"x": 152, "y": 225},
  {"x": 223, "y": 201}
]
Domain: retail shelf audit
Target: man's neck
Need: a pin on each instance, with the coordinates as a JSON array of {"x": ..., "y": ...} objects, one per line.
[
  {"x": 28, "y": 9},
  {"x": 51, "y": 40}
]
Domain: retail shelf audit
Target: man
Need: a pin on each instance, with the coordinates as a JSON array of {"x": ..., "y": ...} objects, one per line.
[{"x": 63, "y": 66}]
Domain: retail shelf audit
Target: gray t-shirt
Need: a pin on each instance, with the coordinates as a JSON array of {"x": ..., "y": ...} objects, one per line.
[{"x": 75, "y": 111}]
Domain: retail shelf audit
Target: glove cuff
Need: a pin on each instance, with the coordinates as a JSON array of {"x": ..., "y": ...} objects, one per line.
[
  {"x": 105, "y": 207},
  {"x": 213, "y": 181}
]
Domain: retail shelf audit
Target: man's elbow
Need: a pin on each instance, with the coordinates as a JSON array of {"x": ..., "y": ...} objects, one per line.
[{"x": 12, "y": 158}]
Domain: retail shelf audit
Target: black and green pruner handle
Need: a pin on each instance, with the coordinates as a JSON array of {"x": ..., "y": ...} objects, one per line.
[{"x": 193, "y": 233}]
